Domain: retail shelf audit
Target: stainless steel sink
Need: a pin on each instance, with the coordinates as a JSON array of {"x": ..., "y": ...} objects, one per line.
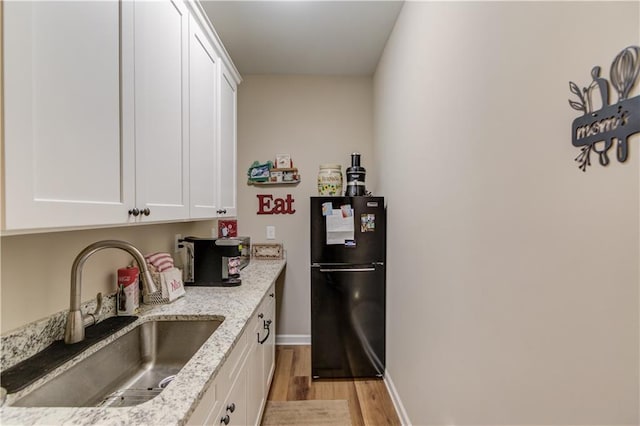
[{"x": 128, "y": 371}]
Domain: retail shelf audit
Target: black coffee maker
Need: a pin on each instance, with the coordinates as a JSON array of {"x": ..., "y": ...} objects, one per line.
[
  {"x": 215, "y": 262},
  {"x": 355, "y": 177}
]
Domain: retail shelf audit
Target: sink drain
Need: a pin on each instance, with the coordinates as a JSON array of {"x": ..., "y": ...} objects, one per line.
[{"x": 165, "y": 382}]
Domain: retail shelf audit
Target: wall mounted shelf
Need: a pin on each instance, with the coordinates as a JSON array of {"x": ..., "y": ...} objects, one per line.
[{"x": 295, "y": 182}]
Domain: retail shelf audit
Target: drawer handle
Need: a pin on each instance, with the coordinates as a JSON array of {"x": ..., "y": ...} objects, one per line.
[
  {"x": 225, "y": 420},
  {"x": 266, "y": 326},
  {"x": 231, "y": 407}
]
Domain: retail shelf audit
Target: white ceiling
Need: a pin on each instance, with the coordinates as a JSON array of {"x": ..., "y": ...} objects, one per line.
[{"x": 304, "y": 37}]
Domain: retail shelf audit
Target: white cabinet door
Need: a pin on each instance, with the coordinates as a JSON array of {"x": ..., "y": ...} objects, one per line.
[
  {"x": 161, "y": 32},
  {"x": 228, "y": 140},
  {"x": 269, "y": 349},
  {"x": 208, "y": 407},
  {"x": 204, "y": 73},
  {"x": 68, "y": 155},
  {"x": 261, "y": 361},
  {"x": 255, "y": 386},
  {"x": 235, "y": 407}
]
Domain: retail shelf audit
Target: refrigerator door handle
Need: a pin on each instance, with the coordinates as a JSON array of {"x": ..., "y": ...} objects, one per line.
[{"x": 348, "y": 270}]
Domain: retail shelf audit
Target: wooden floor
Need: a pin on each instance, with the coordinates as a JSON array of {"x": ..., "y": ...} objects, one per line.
[{"x": 369, "y": 401}]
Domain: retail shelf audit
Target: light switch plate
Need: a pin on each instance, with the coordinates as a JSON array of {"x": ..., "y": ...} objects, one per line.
[{"x": 271, "y": 232}]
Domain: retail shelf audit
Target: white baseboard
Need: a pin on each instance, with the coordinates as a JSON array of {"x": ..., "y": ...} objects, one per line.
[
  {"x": 293, "y": 339},
  {"x": 397, "y": 402}
]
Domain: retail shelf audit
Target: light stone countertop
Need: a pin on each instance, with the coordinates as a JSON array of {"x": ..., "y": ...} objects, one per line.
[{"x": 176, "y": 403}]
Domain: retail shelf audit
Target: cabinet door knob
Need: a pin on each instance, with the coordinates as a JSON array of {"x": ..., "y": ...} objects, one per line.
[
  {"x": 134, "y": 212},
  {"x": 146, "y": 212},
  {"x": 225, "y": 420},
  {"x": 272, "y": 295},
  {"x": 231, "y": 407},
  {"x": 260, "y": 315}
]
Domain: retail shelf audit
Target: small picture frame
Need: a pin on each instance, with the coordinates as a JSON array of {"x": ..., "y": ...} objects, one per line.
[
  {"x": 276, "y": 176},
  {"x": 283, "y": 161},
  {"x": 267, "y": 251},
  {"x": 227, "y": 228},
  {"x": 290, "y": 175}
]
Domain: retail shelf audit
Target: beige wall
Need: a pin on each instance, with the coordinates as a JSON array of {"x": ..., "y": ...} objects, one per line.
[
  {"x": 36, "y": 269},
  {"x": 512, "y": 276},
  {"x": 316, "y": 120}
]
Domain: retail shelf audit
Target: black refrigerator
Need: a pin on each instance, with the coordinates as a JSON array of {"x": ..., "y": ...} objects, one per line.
[{"x": 348, "y": 254}]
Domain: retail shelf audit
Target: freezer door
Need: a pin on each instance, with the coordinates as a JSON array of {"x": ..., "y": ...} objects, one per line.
[
  {"x": 347, "y": 321},
  {"x": 369, "y": 242}
]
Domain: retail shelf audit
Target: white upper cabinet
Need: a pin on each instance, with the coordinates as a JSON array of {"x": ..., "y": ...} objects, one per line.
[
  {"x": 115, "y": 112},
  {"x": 68, "y": 154},
  {"x": 228, "y": 143},
  {"x": 161, "y": 49},
  {"x": 204, "y": 75}
]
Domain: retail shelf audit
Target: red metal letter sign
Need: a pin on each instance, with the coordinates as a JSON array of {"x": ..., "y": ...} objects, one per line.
[{"x": 269, "y": 205}]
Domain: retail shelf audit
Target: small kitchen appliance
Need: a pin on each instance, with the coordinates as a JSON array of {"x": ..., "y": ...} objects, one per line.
[
  {"x": 215, "y": 262},
  {"x": 355, "y": 177}
]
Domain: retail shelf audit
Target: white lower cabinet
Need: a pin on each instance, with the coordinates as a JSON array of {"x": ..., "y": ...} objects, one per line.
[
  {"x": 269, "y": 347},
  {"x": 239, "y": 392}
]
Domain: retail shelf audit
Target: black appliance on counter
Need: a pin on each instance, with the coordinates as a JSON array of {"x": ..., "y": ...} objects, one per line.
[
  {"x": 214, "y": 262},
  {"x": 348, "y": 288}
]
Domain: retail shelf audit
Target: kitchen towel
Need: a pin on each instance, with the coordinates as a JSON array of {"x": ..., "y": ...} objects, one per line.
[
  {"x": 171, "y": 284},
  {"x": 160, "y": 261}
]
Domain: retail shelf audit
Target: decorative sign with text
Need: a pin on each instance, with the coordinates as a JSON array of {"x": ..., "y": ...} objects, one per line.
[
  {"x": 602, "y": 124},
  {"x": 267, "y": 204}
]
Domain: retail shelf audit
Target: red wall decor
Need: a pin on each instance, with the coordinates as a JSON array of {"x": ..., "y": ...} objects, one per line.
[
  {"x": 267, "y": 204},
  {"x": 227, "y": 228}
]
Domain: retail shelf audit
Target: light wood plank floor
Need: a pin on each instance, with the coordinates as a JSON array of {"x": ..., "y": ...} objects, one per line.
[{"x": 369, "y": 401}]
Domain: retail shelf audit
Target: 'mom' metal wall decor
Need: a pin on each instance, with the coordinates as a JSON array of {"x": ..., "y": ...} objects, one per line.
[{"x": 603, "y": 124}]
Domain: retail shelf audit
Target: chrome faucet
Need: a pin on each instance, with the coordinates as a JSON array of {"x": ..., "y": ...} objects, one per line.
[{"x": 76, "y": 321}]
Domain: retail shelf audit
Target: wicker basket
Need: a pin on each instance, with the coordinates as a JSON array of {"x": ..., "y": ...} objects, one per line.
[{"x": 156, "y": 297}]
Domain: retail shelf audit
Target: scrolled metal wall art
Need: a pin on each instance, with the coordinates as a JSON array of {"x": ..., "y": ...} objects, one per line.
[{"x": 597, "y": 129}]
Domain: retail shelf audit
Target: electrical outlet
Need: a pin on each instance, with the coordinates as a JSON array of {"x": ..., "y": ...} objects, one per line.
[
  {"x": 176, "y": 242},
  {"x": 271, "y": 232}
]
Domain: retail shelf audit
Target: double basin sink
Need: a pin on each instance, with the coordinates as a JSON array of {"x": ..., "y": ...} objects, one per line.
[{"x": 132, "y": 369}]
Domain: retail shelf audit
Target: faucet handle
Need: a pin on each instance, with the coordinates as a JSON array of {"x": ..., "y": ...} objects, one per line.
[{"x": 96, "y": 314}]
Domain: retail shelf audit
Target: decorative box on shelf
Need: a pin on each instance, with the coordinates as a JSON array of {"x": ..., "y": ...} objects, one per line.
[{"x": 280, "y": 176}]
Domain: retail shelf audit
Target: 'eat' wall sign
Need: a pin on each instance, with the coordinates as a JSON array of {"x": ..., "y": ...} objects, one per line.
[{"x": 267, "y": 204}]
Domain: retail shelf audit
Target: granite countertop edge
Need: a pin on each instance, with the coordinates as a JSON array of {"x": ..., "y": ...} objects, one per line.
[{"x": 177, "y": 402}]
